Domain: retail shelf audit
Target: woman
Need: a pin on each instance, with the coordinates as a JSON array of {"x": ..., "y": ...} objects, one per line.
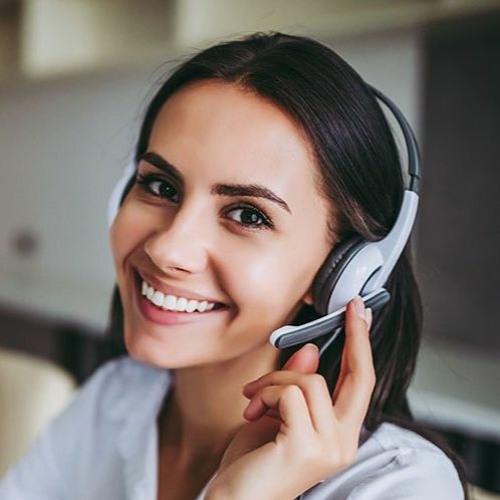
[{"x": 255, "y": 159}]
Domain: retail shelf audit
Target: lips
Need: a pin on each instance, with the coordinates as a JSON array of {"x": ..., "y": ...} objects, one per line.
[
  {"x": 176, "y": 291},
  {"x": 172, "y": 302},
  {"x": 156, "y": 313}
]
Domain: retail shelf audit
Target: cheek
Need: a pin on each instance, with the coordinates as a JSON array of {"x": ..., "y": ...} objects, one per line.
[
  {"x": 119, "y": 238},
  {"x": 269, "y": 285},
  {"x": 115, "y": 237},
  {"x": 126, "y": 232}
]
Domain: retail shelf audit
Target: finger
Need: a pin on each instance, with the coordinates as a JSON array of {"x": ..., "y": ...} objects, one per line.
[
  {"x": 353, "y": 392},
  {"x": 288, "y": 401},
  {"x": 343, "y": 365},
  {"x": 313, "y": 387},
  {"x": 305, "y": 360},
  {"x": 280, "y": 377}
]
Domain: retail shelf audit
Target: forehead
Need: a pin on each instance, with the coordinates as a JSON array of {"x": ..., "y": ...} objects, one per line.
[{"x": 227, "y": 133}]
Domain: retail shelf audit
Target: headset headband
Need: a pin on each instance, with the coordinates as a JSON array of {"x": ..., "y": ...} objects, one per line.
[
  {"x": 359, "y": 267},
  {"x": 414, "y": 169}
]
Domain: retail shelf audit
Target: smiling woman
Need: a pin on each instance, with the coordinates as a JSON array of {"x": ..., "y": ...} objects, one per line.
[
  {"x": 255, "y": 158},
  {"x": 217, "y": 225}
]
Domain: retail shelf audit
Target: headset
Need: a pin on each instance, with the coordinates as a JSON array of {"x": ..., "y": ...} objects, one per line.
[{"x": 355, "y": 267}]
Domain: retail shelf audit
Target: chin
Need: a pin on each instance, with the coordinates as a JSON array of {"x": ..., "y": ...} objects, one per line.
[{"x": 165, "y": 354}]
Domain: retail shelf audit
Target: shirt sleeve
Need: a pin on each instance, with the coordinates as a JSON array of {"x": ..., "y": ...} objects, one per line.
[
  {"x": 414, "y": 474},
  {"x": 44, "y": 472}
]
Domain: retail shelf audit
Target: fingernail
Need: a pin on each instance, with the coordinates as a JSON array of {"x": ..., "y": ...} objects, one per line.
[
  {"x": 246, "y": 390},
  {"x": 313, "y": 346},
  {"x": 369, "y": 317},
  {"x": 359, "y": 307},
  {"x": 248, "y": 384}
]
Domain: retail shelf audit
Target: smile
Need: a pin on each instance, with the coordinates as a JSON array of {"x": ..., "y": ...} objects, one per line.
[{"x": 171, "y": 302}]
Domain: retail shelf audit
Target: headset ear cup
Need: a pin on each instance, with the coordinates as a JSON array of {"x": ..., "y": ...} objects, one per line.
[
  {"x": 120, "y": 190},
  {"x": 328, "y": 274}
]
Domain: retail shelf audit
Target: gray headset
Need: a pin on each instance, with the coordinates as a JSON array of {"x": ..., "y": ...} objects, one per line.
[{"x": 354, "y": 267}]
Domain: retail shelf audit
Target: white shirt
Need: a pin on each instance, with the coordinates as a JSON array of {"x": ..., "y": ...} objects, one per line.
[{"x": 103, "y": 446}]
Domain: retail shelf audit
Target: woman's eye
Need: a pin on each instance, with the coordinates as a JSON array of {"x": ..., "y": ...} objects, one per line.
[
  {"x": 250, "y": 217},
  {"x": 158, "y": 187}
]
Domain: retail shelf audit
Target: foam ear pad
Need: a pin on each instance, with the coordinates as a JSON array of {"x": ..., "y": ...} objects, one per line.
[
  {"x": 329, "y": 273},
  {"x": 120, "y": 190}
]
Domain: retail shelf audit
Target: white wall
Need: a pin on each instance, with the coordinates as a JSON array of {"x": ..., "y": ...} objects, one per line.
[
  {"x": 63, "y": 142},
  {"x": 391, "y": 63}
]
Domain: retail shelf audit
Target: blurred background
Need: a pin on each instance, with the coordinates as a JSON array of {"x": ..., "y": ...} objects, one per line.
[{"x": 75, "y": 76}]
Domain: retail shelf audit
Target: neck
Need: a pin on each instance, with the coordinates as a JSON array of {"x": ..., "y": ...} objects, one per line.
[{"x": 204, "y": 410}]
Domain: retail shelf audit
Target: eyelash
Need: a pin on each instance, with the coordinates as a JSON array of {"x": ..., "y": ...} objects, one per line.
[
  {"x": 265, "y": 221},
  {"x": 145, "y": 181}
]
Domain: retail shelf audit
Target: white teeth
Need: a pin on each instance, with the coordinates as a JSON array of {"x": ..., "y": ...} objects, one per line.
[
  {"x": 173, "y": 303},
  {"x": 181, "y": 304},
  {"x": 157, "y": 299},
  {"x": 191, "y": 306},
  {"x": 170, "y": 302},
  {"x": 202, "y": 306}
]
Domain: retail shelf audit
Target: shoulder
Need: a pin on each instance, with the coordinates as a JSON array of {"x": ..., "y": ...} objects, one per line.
[
  {"x": 118, "y": 386},
  {"x": 417, "y": 466},
  {"x": 395, "y": 463},
  {"x": 122, "y": 395}
]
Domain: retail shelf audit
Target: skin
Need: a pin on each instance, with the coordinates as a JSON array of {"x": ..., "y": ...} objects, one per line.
[{"x": 187, "y": 236}]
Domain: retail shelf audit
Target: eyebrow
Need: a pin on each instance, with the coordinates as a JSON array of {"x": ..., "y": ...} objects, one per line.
[
  {"x": 253, "y": 190},
  {"x": 159, "y": 162}
]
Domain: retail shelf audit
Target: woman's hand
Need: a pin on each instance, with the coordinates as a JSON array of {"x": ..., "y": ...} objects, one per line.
[{"x": 296, "y": 437}]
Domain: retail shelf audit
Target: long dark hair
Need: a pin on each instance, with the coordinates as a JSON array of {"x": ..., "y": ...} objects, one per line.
[{"x": 361, "y": 174}]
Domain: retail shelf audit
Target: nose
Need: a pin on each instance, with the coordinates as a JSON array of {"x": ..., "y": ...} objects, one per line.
[{"x": 180, "y": 244}]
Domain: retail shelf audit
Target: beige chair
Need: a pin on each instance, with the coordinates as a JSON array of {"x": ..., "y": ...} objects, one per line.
[
  {"x": 32, "y": 392},
  {"x": 479, "y": 494}
]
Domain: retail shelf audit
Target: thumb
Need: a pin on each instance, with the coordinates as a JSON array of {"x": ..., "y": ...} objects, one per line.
[{"x": 305, "y": 360}]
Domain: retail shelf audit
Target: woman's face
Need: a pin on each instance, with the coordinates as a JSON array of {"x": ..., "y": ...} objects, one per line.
[{"x": 225, "y": 211}]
